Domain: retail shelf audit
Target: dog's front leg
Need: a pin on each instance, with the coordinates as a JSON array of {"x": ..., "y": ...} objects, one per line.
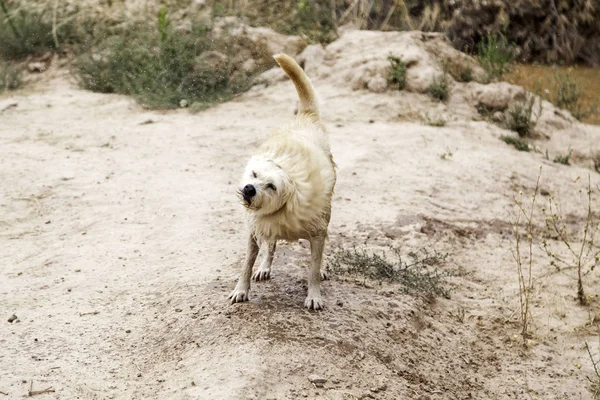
[
  {"x": 264, "y": 271},
  {"x": 313, "y": 300},
  {"x": 240, "y": 293}
]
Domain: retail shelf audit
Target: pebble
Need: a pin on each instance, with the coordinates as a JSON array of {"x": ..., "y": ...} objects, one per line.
[
  {"x": 317, "y": 380},
  {"x": 12, "y": 318}
]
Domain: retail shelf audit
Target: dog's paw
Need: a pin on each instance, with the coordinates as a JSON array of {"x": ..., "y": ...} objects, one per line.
[
  {"x": 238, "y": 295},
  {"x": 313, "y": 302},
  {"x": 261, "y": 275},
  {"x": 324, "y": 275}
]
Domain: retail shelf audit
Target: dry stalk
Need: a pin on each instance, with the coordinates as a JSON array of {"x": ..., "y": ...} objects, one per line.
[
  {"x": 596, "y": 381},
  {"x": 525, "y": 277},
  {"x": 587, "y": 256}
]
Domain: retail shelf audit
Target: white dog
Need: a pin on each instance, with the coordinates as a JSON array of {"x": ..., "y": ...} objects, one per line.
[{"x": 286, "y": 189}]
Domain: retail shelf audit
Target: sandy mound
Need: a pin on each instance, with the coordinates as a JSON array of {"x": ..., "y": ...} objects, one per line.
[{"x": 123, "y": 236}]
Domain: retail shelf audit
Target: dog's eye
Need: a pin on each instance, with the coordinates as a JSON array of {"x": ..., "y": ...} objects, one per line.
[
  {"x": 254, "y": 174},
  {"x": 271, "y": 186}
]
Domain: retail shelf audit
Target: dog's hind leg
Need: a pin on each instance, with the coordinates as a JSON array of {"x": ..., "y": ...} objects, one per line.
[
  {"x": 264, "y": 271},
  {"x": 313, "y": 300},
  {"x": 240, "y": 293}
]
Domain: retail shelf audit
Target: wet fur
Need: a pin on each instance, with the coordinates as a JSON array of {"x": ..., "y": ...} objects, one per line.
[{"x": 296, "y": 160}]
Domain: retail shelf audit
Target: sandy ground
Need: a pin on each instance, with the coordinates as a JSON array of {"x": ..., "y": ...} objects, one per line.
[{"x": 121, "y": 237}]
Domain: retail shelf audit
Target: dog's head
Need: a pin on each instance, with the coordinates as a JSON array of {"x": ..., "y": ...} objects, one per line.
[{"x": 265, "y": 187}]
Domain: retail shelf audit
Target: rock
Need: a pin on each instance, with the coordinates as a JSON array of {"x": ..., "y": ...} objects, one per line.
[
  {"x": 37, "y": 66},
  {"x": 379, "y": 388},
  {"x": 12, "y": 318},
  {"x": 211, "y": 59},
  {"x": 496, "y": 96},
  {"x": 498, "y": 116},
  {"x": 311, "y": 58},
  {"x": 317, "y": 380},
  {"x": 272, "y": 76},
  {"x": 377, "y": 84},
  {"x": 274, "y": 42},
  {"x": 249, "y": 66},
  {"x": 184, "y": 26}
]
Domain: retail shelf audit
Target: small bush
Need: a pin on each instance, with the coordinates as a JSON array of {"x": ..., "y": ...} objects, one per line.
[
  {"x": 415, "y": 276},
  {"x": 566, "y": 93},
  {"x": 495, "y": 54},
  {"x": 314, "y": 19},
  {"x": 164, "y": 69},
  {"x": 438, "y": 122},
  {"x": 440, "y": 88},
  {"x": 26, "y": 31},
  {"x": 518, "y": 143},
  {"x": 397, "y": 71},
  {"x": 466, "y": 74},
  {"x": 11, "y": 76},
  {"x": 521, "y": 118},
  {"x": 446, "y": 155},
  {"x": 565, "y": 160},
  {"x": 459, "y": 70}
]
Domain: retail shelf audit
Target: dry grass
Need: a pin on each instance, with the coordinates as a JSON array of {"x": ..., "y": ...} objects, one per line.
[
  {"x": 521, "y": 117},
  {"x": 11, "y": 76},
  {"x": 416, "y": 273},
  {"x": 518, "y": 143},
  {"x": 440, "y": 88},
  {"x": 581, "y": 247},
  {"x": 524, "y": 259}
]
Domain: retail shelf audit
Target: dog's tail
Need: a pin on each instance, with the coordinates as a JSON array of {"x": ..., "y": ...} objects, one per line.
[{"x": 306, "y": 92}]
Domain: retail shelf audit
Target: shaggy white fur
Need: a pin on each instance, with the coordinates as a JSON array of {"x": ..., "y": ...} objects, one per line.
[{"x": 287, "y": 189}]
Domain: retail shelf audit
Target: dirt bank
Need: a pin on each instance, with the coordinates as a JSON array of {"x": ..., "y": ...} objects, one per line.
[{"x": 122, "y": 237}]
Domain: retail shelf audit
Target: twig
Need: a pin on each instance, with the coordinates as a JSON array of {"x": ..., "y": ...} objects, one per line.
[
  {"x": 36, "y": 392},
  {"x": 333, "y": 14},
  {"x": 11, "y": 105},
  {"x": 594, "y": 362},
  {"x": 6, "y": 394},
  {"x": 54, "y": 35},
  {"x": 348, "y": 11},
  {"x": 389, "y": 15},
  {"x": 9, "y": 19},
  {"x": 89, "y": 313},
  {"x": 32, "y": 392}
]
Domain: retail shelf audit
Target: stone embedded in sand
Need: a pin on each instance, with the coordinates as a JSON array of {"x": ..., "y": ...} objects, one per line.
[
  {"x": 211, "y": 59},
  {"x": 249, "y": 66},
  {"x": 37, "y": 66},
  {"x": 317, "y": 380},
  {"x": 496, "y": 96},
  {"x": 311, "y": 58},
  {"x": 12, "y": 318},
  {"x": 377, "y": 84},
  {"x": 274, "y": 42}
]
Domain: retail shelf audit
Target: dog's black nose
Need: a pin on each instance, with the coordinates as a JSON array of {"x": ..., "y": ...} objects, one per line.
[{"x": 249, "y": 191}]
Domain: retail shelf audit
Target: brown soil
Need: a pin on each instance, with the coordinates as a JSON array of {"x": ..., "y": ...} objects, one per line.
[{"x": 122, "y": 237}]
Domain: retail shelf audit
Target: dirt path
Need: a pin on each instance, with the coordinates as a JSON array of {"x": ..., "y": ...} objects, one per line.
[{"x": 121, "y": 237}]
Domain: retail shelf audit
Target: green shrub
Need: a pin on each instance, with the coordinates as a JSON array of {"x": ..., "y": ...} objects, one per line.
[
  {"x": 11, "y": 76},
  {"x": 465, "y": 74},
  {"x": 518, "y": 143},
  {"x": 440, "y": 88},
  {"x": 521, "y": 118},
  {"x": 565, "y": 160},
  {"x": 164, "y": 69},
  {"x": 495, "y": 54},
  {"x": 397, "y": 71}
]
